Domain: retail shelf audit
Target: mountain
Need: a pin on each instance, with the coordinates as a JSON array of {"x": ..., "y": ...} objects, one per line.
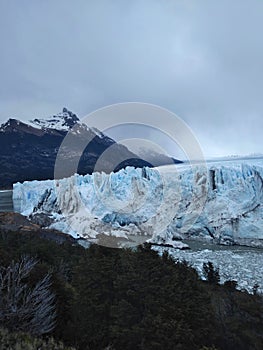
[
  {"x": 29, "y": 150},
  {"x": 155, "y": 157},
  {"x": 61, "y": 121}
]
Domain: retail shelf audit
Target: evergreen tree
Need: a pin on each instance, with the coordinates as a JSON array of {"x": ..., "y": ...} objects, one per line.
[{"x": 210, "y": 273}]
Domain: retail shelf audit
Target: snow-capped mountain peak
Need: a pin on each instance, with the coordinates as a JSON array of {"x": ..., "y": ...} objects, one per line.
[
  {"x": 11, "y": 123},
  {"x": 64, "y": 120},
  {"x": 16, "y": 126}
]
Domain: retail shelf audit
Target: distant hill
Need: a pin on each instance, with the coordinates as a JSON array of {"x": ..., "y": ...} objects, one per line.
[{"x": 28, "y": 151}]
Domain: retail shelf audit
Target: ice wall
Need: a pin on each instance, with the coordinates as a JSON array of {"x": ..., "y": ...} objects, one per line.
[{"x": 220, "y": 203}]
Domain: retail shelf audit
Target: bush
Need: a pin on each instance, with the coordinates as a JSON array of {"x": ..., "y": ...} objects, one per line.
[
  {"x": 23, "y": 308},
  {"x": 23, "y": 341}
]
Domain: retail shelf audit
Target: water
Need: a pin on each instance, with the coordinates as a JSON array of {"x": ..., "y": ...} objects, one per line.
[
  {"x": 243, "y": 264},
  {"x": 6, "y": 201}
]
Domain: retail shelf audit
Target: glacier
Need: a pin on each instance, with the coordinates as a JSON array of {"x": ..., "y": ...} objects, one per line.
[{"x": 217, "y": 202}]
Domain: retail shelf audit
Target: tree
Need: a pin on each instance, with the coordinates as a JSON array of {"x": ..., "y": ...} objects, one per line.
[
  {"x": 231, "y": 285},
  {"x": 22, "y": 308},
  {"x": 255, "y": 288},
  {"x": 211, "y": 274},
  {"x": 22, "y": 341}
]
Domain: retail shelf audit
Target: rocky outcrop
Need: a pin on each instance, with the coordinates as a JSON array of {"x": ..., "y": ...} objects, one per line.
[{"x": 15, "y": 222}]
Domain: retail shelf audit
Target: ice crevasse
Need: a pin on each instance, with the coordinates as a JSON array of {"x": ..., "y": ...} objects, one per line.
[{"x": 222, "y": 203}]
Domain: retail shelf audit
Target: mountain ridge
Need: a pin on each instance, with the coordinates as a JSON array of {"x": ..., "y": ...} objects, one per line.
[{"x": 29, "y": 149}]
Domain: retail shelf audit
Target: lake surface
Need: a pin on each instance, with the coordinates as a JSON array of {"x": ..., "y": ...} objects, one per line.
[
  {"x": 243, "y": 264},
  {"x": 6, "y": 201}
]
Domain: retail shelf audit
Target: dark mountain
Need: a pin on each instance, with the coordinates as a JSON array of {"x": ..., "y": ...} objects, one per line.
[
  {"x": 156, "y": 158},
  {"x": 29, "y": 150}
]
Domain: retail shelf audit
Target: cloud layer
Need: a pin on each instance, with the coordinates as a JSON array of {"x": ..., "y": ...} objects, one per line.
[{"x": 203, "y": 60}]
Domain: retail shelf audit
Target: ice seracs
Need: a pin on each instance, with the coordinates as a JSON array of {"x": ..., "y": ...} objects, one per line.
[{"x": 221, "y": 203}]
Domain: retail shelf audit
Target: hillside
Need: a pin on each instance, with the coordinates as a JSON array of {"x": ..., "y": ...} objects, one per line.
[
  {"x": 29, "y": 150},
  {"x": 134, "y": 299}
]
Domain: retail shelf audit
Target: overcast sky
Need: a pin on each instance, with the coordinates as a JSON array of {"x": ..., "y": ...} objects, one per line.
[{"x": 201, "y": 59}]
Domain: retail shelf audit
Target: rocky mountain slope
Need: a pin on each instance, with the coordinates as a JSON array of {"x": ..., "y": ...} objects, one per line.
[{"x": 28, "y": 151}]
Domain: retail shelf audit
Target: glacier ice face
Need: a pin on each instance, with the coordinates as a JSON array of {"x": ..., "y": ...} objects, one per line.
[{"x": 219, "y": 202}]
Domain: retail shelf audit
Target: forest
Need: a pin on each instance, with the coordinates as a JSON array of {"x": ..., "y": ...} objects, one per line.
[{"x": 62, "y": 296}]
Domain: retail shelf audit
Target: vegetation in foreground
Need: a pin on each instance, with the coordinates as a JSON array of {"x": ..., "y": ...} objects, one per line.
[{"x": 103, "y": 298}]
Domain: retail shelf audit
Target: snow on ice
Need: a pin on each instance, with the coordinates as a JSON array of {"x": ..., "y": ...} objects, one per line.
[{"x": 222, "y": 203}]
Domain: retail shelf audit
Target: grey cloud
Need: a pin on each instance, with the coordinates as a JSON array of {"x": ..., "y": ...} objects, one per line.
[{"x": 200, "y": 59}]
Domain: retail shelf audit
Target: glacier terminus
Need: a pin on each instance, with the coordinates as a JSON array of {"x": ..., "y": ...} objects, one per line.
[{"x": 220, "y": 202}]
